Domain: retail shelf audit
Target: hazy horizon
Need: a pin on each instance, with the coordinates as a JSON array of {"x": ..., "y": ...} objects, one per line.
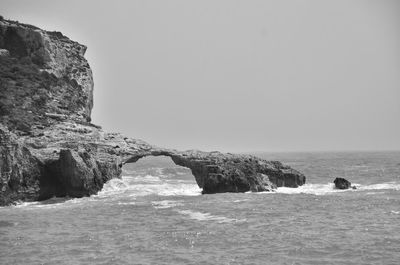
[{"x": 238, "y": 76}]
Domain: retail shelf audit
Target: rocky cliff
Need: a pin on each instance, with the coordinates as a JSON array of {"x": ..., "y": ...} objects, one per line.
[{"x": 48, "y": 147}]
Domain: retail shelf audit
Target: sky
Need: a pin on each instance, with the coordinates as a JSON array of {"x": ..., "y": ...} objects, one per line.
[{"x": 238, "y": 76}]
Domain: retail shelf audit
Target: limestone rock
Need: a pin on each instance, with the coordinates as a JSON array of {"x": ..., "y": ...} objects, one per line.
[
  {"x": 20, "y": 171},
  {"x": 218, "y": 172},
  {"x": 45, "y": 73},
  {"x": 81, "y": 175},
  {"x": 342, "y": 184},
  {"x": 48, "y": 147}
]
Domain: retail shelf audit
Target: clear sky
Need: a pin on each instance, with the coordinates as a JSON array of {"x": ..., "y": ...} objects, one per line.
[{"x": 238, "y": 75}]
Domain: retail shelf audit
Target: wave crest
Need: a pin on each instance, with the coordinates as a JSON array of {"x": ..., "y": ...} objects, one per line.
[
  {"x": 329, "y": 188},
  {"x": 149, "y": 185}
]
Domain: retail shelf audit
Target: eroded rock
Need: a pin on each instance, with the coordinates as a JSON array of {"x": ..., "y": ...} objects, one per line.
[
  {"x": 50, "y": 148},
  {"x": 342, "y": 184},
  {"x": 20, "y": 171}
]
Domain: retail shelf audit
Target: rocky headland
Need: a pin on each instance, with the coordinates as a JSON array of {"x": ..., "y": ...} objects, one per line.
[{"x": 49, "y": 147}]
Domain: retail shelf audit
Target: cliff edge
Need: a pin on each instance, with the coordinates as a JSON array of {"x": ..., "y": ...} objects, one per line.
[{"x": 48, "y": 146}]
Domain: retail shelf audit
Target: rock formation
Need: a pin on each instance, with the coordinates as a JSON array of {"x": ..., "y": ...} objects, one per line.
[
  {"x": 48, "y": 147},
  {"x": 343, "y": 184}
]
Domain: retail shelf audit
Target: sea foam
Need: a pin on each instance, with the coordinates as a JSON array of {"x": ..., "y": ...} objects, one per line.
[
  {"x": 166, "y": 204},
  {"x": 149, "y": 185},
  {"x": 199, "y": 216},
  {"x": 381, "y": 186},
  {"x": 329, "y": 188}
]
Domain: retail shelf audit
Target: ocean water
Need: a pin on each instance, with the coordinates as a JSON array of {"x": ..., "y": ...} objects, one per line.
[{"x": 156, "y": 214}]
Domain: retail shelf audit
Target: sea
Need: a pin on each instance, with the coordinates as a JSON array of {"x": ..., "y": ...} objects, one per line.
[{"x": 156, "y": 214}]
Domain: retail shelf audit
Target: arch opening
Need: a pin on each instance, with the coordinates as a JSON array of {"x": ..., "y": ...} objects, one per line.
[
  {"x": 156, "y": 165},
  {"x": 160, "y": 175}
]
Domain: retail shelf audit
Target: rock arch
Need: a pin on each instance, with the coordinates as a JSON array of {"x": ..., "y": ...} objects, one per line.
[
  {"x": 216, "y": 172},
  {"x": 48, "y": 147},
  {"x": 200, "y": 168}
]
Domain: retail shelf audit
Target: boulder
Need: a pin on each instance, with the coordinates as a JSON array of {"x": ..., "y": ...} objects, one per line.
[
  {"x": 82, "y": 175},
  {"x": 342, "y": 184}
]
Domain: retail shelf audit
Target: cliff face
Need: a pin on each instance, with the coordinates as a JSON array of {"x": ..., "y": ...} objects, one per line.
[
  {"x": 48, "y": 147},
  {"x": 44, "y": 73}
]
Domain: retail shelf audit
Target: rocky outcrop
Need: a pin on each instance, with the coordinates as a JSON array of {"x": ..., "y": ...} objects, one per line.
[
  {"x": 43, "y": 74},
  {"x": 343, "y": 184},
  {"x": 19, "y": 170},
  {"x": 48, "y": 147},
  {"x": 217, "y": 172}
]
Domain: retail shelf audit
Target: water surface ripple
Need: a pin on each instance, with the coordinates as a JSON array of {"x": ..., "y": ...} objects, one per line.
[{"x": 156, "y": 215}]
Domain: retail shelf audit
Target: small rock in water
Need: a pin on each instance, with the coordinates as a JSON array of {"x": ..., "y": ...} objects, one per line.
[{"x": 342, "y": 184}]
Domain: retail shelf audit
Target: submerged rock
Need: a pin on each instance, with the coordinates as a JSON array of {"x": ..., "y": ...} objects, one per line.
[
  {"x": 343, "y": 184},
  {"x": 48, "y": 147}
]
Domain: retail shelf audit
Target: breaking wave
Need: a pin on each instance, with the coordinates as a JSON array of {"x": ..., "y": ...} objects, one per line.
[
  {"x": 381, "y": 186},
  {"x": 50, "y": 203},
  {"x": 134, "y": 186},
  {"x": 329, "y": 188},
  {"x": 127, "y": 187}
]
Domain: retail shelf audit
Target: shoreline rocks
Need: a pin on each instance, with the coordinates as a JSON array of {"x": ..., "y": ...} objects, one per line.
[{"x": 50, "y": 148}]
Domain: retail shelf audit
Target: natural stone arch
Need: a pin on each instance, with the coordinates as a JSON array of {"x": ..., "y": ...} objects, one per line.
[
  {"x": 217, "y": 172},
  {"x": 198, "y": 169},
  {"x": 158, "y": 166}
]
